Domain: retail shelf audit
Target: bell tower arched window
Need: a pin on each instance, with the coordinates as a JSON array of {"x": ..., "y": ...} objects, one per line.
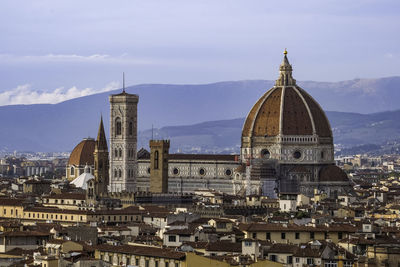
[
  {"x": 156, "y": 159},
  {"x": 118, "y": 126},
  {"x": 130, "y": 128},
  {"x": 72, "y": 171}
]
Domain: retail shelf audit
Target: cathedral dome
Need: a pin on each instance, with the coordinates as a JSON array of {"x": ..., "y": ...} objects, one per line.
[
  {"x": 83, "y": 153},
  {"x": 286, "y": 109}
]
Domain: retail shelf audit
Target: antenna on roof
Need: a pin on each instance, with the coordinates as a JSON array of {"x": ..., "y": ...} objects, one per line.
[
  {"x": 152, "y": 132},
  {"x": 123, "y": 82}
]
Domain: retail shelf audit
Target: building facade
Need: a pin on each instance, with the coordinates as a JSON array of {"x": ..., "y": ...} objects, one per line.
[{"x": 190, "y": 172}]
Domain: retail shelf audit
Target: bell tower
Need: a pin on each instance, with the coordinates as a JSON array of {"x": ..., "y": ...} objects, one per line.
[
  {"x": 159, "y": 150},
  {"x": 123, "y": 142}
]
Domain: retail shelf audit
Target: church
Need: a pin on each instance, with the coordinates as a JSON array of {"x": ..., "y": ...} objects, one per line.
[{"x": 286, "y": 147}]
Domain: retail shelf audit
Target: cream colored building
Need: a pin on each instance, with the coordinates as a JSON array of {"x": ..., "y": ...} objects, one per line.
[{"x": 295, "y": 234}]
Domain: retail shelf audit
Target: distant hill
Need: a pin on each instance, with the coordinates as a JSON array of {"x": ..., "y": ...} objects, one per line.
[
  {"x": 350, "y": 130},
  {"x": 60, "y": 127}
]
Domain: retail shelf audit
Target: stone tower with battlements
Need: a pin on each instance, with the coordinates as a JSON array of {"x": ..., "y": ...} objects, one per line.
[
  {"x": 159, "y": 150},
  {"x": 123, "y": 142}
]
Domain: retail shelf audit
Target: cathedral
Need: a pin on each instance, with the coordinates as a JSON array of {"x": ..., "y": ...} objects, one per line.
[{"x": 286, "y": 147}]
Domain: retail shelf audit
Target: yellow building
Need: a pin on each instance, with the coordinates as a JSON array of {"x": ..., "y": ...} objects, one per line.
[
  {"x": 144, "y": 256},
  {"x": 345, "y": 212},
  {"x": 194, "y": 260},
  {"x": 16, "y": 209},
  {"x": 384, "y": 255},
  {"x": 11, "y": 208},
  {"x": 72, "y": 201},
  {"x": 139, "y": 256},
  {"x": 58, "y": 246},
  {"x": 295, "y": 234}
]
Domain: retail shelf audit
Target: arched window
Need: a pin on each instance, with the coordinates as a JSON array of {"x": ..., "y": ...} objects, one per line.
[
  {"x": 115, "y": 153},
  {"x": 118, "y": 126},
  {"x": 72, "y": 171},
  {"x": 120, "y": 153},
  {"x": 156, "y": 159},
  {"x": 119, "y": 173},
  {"x": 130, "y": 128},
  {"x": 115, "y": 173}
]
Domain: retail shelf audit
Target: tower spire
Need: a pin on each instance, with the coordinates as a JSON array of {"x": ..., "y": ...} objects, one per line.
[
  {"x": 123, "y": 82},
  {"x": 285, "y": 72},
  {"x": 101, "y": 166},
  {"x": 101, "y": 141}
]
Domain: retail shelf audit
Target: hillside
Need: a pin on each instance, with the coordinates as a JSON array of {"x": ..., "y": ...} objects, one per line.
[
  {"x": 350, "y": 130},
  {"x": 59, "y": 127}
]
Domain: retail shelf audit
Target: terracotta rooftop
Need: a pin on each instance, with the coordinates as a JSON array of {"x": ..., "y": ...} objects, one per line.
[
  {"x": 11, "y": 201},
  {"x": 76, "y": 196},
  {"x": 224, "y": 246},
  {"x": 198, "y": 245},
  {"x": 213, "y": 157},
  {"x": 263, "y": 227},
  {"x": 24, "y": 233}
]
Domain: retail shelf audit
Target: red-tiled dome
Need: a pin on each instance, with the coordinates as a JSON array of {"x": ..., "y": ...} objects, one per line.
[
  {"x": 83, "y": 153},
  {"x": 286, "y": 109}
]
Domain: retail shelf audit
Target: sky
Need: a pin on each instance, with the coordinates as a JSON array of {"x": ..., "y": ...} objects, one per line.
[{"x": 51, "y": 51}]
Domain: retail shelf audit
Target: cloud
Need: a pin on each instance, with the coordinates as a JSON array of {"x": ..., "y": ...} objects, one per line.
[
  {"x": 389, "y": 55},
  {"x": 24, "y": 94},
  {"x": 64, "y": 58}
]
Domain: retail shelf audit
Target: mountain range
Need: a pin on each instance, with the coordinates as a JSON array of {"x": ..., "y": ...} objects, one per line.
[
  {"x": 353, "y": 132},
  {"x": 203, "y": 115}
]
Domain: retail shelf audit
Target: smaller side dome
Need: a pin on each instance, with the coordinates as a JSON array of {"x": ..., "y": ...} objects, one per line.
[
  {"x": 82, "y": 154},
  {"x": 332, "y": 173}
]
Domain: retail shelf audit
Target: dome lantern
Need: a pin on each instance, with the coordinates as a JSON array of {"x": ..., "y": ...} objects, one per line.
[{"x": 285, "y": 73}]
